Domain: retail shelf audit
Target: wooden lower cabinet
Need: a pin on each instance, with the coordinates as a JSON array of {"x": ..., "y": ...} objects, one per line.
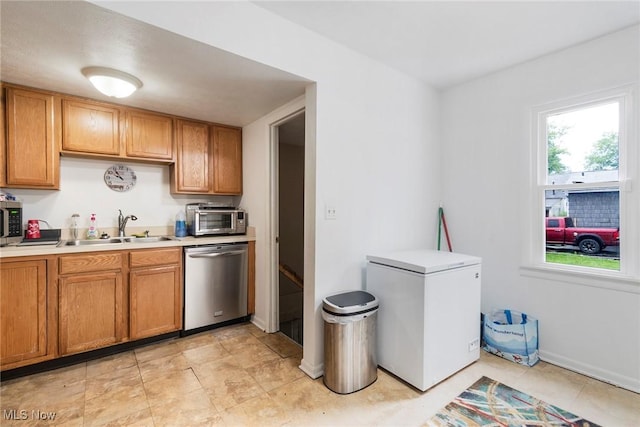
[
  {"x": 155, "y": 292},
  {"x": 90, "y": 311},
  {"x": 60, "y": 305},
  {"x": 154, "y": 301},
  {"x": 251, "y": 279},
  {"x": 91, "y": 301},
  {"x": 24, "y": 323}
]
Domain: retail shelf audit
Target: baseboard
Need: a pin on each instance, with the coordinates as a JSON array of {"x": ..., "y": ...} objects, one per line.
[
  {"x": 632, "y": 384},
  {"x": 313, "y": 371},
  {"x": 260, "y": 323}
]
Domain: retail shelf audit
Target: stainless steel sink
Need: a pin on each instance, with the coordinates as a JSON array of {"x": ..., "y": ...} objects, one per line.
[
  {"x": 93, "y": 242},
  {"x": 115, "y": 240},
  {"x": 150, "y": 239}
]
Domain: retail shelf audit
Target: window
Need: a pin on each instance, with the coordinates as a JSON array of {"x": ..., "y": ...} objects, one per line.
[{"x": 585, "y": 213}]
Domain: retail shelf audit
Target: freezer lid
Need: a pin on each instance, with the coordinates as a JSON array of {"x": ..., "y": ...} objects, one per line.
[{"x": 424, "y": 261}]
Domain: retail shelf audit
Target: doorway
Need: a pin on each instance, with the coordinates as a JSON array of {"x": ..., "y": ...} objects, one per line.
[{"x": 290, "y": 240}]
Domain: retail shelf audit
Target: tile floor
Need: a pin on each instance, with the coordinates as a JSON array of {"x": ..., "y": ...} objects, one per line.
[{"x": 240, "y": 376}]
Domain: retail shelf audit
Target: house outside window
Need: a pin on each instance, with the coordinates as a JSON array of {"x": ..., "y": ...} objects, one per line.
[{"x": 583, "y": 151}]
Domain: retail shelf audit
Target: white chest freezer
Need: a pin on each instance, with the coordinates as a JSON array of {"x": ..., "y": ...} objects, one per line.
[{"x": 429, "y": 313}]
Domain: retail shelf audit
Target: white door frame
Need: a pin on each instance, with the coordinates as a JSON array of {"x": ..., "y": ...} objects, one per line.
[{"x": 273, "y": 258}]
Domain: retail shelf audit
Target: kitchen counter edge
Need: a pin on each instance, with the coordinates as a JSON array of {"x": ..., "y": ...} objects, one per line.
[{"x": 26, "y": 251}]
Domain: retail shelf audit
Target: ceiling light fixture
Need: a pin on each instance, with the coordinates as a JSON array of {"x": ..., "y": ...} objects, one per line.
[{"x": 110, "y": 82}]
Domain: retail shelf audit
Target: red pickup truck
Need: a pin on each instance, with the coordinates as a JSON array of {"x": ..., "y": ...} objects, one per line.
[{"x": 561, "y": 231}]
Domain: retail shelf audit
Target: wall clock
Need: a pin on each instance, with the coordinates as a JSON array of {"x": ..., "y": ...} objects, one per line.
[{"x": 120, "y": 178}]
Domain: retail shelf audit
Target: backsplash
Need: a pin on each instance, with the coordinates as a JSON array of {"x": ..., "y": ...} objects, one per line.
[{"x": 83, "y": 191}]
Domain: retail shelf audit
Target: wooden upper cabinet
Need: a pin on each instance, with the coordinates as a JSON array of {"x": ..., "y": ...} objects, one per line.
[
  {"x": 208, "y": 160},
  {"x": 227, "y": 160},
  {"x": 3, "y": 141},
  {"x": 149, "y": 135},
  {"x": 32, "y": 138},
  {"x": 191, "y": 174},
  {"x": 90, "y": 127}
]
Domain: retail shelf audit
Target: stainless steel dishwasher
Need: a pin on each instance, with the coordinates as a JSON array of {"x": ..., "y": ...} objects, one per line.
[{"x": 215, "y": 285}]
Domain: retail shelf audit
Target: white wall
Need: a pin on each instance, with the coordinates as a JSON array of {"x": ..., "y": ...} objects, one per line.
[
  {"x": 256, "y": 166},
  {"x": 486, "y": 157},
  {"x": 375, "y": 153},
  {"x": 82, "y": 191}
]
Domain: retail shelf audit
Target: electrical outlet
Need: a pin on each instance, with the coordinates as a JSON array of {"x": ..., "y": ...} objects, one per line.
[
  {"x": 474, "y": 344},
  {"x": 330, "y": 212}
]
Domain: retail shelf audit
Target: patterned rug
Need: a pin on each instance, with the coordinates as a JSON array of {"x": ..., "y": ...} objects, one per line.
[{"x": 490, "y": 403}]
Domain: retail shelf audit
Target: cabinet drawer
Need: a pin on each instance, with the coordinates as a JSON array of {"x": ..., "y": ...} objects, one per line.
[
  {"x": 144, "y": 258},
  {"x": 93, "y": 262}
]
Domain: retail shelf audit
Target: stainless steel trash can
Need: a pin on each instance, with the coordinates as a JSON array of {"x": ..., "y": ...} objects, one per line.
[{"x": 350, "y": 361}]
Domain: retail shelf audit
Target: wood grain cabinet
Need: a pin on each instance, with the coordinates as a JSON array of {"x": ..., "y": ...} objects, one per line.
[
  {"x": 251, "y": 279},
  {"x": 155, "y": 300},
  {"x": 90, "y": 127},
  {"x": 32, "y": 138},
  {"x": 3, "y": 139},
  {"x": 148, "y": 135},
  {"x": 227, "y": 160},
  {"x": 91, "y": 301},
  {"x": 208, "y": 160},
  {"x": 24, "y": 326},
  {"x": 190, "y": 174}
]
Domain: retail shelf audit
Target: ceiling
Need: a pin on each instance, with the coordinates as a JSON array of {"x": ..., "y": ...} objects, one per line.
[
  {"x": 45, "y": 44},
  {"x": 448, "y": 42}
]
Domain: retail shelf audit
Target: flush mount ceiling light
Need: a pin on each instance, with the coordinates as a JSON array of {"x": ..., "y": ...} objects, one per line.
[{"x": 110, "y": 82}]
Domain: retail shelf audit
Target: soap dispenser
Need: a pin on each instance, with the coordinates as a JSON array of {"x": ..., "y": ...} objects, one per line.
[{"x": 92, "y": 232}]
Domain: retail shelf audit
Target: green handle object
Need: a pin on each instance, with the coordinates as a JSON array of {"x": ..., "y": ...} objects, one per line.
[
  {"x": 440, "y": 212},
  {"x": 442, "y": 222}
]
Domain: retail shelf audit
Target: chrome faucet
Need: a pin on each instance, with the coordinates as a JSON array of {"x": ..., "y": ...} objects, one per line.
[{"x": 122, "y": 222}]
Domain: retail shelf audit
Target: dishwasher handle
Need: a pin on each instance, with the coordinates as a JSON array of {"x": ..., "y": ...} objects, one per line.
[{"x": 216, "y": 254}]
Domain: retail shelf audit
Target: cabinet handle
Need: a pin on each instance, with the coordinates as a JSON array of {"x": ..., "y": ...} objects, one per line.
[{"x": 216, "y": 254}]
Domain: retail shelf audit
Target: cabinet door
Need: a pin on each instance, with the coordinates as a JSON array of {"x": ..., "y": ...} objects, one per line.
[
  {"x": 33, "y": 132},
  {"x": 90, "y": 127},
  {"x": 149, "y": 135},
  {"x": 3, "y": 140},
  {"x": 23, "y": 311},
  {"x": 251, "y": 279},
  {"x": 190, "y": 173},
  {"x": 90, "y": 311},
  {"x": 155, "y": 301},
  {"x": 227, "y": 160}
]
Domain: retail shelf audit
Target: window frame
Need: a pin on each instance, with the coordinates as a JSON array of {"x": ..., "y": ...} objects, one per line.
[{"x": 534, "y": 264}]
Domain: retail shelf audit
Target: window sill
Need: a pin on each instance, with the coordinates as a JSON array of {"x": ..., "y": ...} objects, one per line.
[{"x": 596, "y": 278}]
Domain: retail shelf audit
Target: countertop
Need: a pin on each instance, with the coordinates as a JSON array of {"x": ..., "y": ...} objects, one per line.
[{"x": 44, "y": 250}]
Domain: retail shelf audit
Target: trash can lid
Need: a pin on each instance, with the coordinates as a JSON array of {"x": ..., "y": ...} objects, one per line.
[{"x": 350, "y": 303}]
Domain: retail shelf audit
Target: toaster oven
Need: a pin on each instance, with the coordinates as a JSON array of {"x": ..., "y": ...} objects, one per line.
[{"x": 209, "y": 220}]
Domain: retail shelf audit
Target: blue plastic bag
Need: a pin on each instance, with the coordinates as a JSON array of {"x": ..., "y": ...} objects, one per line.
[{"x": 511, "y": 335}]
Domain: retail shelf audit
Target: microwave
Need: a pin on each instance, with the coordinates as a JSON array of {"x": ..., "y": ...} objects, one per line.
[
  {"x": 10, "y": 222},
  {"x": 209, "y": 220}
]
